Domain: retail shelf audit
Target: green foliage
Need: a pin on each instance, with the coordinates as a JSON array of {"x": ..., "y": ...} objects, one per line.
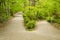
[
  {"x": 3, "y": 17},
  {"x": 9, "y": 8},
  {"x": 50, "y": 19},
  {"x": 44, "y": 9},
  {"x": 30, "y": 12},
  {"x": 30, "y": 17},
  {"x": 30, "y": 25}
]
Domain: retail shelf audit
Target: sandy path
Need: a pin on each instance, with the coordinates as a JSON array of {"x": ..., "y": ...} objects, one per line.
[{"x": 14, "y": 30}]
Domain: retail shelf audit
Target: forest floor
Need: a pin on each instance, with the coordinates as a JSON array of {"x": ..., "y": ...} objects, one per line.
[{"x": 14, "y": 30}]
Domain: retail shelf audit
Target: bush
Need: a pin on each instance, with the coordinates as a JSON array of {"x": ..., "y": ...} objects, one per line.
[
  {"x": 50, "y": 19},
  {"x": 31, "y": 12},
  {"x": 40, "y": 15},
  {"x": 3, "y": 17},
  {"x": 30, "y": 25},
  {"x": 57, "y": 21},
  {"x": 29, "y": 22},
  {"x": 30, "y": 17}
]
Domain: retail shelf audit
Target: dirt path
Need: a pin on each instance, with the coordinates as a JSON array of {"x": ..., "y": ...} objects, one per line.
[{"x": 14, "y": 30}]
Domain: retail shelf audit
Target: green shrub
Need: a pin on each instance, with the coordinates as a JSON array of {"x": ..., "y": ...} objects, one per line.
[
  {"x": 30, "y": 17},
  {"x": 31, "y": 25},
  {"x": 26, "y": 20},
  {"x": 57, "y": 21},
  {"x": 40, "y": 15},
  {"x": 3, "y": 17},
  {"x": 31, "y": 12},
  {"x": 50, "y": 19}
]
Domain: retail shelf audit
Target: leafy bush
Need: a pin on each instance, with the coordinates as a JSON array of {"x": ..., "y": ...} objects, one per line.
[
  {"x": 30, "y": 25},
  {"x": 50, "y": 19},
  {"x": 30, "y": 11},
  {"x": 3, "y": 17},
  {"x": 30, "y": 17}
]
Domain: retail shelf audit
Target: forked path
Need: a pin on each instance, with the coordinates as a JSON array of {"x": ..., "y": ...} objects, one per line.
[{"x": 14, "y": 30}]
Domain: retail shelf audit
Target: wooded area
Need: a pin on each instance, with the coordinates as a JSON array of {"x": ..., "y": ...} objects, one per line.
[{"x": 33, "y": 10}]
